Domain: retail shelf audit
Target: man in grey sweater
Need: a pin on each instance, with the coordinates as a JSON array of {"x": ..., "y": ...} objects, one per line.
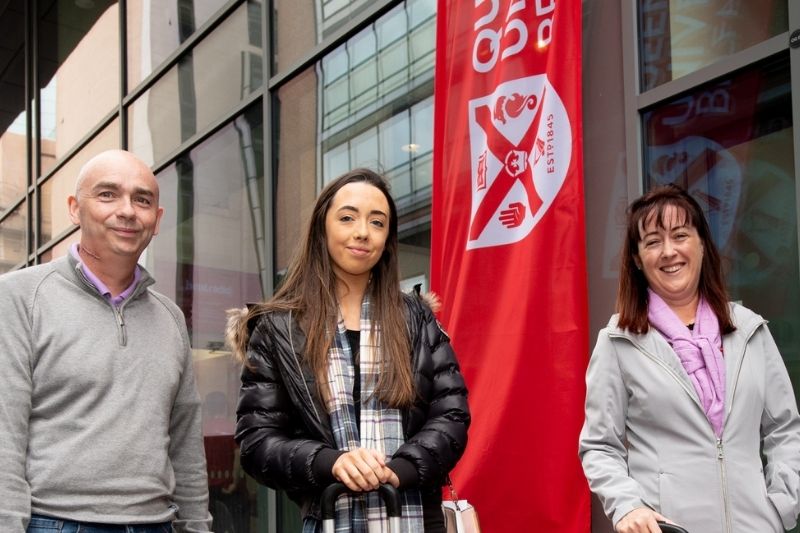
[{"x": 100, "y": 421}]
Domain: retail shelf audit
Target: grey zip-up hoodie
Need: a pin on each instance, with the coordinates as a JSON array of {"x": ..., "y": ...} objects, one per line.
[
  {"x": 646, "y": 440},
  {"x": 100, "y": 420}
]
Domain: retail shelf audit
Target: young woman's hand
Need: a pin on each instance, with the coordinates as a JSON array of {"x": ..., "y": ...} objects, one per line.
[
  {"x": 393, "y": 480},
  {"x": 641, "y": 520},
  {"x": 362, "y": 469}
]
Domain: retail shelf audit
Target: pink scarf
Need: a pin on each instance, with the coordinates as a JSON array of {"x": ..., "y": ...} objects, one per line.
[{"x": 700, "y": 353}]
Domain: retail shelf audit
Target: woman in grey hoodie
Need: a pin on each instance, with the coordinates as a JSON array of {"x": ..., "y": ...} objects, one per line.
[{"x": 685, "y": 390}]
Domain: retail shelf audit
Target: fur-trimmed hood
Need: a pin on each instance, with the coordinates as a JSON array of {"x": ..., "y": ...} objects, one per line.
[{"x": 240, "y": 324}]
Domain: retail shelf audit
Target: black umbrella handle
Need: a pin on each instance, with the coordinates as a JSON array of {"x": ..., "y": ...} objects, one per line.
[{"x": 389, "y": 494}]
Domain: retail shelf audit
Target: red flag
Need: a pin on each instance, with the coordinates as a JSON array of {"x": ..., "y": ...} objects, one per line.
[{"x": 508, "y": 253}]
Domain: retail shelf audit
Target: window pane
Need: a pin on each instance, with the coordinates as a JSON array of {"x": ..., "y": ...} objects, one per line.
[
  {"x": 211, "y": 79},
  {"x": 336, "y": 162},
  {"x": 297, "y": 162},
  {"x": 56, "y": 190},
  {"x": 730, "y": 144},
  {"x": 383, "y": 66},
  {"x": 421, "y": 147},
  {"x": 79, "y": 71},
  {"x": 13, "y": 122},
  {"x": 395, "y": 138},
  {"x": 61, "y": 249},
  {"x": 12, "y": 239},
  {"x": 299, "y": 26},
  {"x": 13, "y": 170},
  {"x": 209, "y": 254},
  {"x": 677, "y": 37},
  {"x": 156, "y": 29},
  {"x": 364, "y": 150}
]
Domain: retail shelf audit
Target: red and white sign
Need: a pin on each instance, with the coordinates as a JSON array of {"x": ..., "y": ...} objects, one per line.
[
  {"x": 508, "y": 253},
  {"x": 521, "y": 144}
]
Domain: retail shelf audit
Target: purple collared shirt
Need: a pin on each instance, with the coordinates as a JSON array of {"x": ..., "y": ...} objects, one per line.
[{"x": 100, "y": 286}]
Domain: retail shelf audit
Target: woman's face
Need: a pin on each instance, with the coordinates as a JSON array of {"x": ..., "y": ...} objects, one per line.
[
  {"x": 671, "y": 257},
  {"x": 357, "y": 225}
]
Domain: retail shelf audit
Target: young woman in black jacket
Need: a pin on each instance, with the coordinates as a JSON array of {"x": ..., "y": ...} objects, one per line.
[{"x": 347, "y": 379}]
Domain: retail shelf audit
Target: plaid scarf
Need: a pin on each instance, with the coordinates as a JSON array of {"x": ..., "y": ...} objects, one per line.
[{"x": 381, "y": 429}]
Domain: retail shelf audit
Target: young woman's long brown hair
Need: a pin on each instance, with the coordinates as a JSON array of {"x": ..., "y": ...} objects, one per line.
[
  {"x": 632, "y": 292},
  {"x": 309, "y": 291}
]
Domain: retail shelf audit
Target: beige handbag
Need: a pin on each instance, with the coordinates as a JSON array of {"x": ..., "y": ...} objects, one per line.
[{"x": 459, "y": 515}]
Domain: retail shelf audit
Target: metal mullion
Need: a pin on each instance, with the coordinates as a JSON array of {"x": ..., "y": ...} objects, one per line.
[
  {"x": 269, "y": 133},
  {"x": 365, "y": 19},
  {"x": 210, "y": 130},
  {"x": 172, "y": 60},
  {"x": 34, "y": 209},
  {"x": 633, "y": 123},
  {"x": 123, "y": 73},
  {"x": 30, "y": 68},
  {"x": 794, "y": 72},
  {"x": 718, "y": 69},
  {"x": 270, "y": 185}
]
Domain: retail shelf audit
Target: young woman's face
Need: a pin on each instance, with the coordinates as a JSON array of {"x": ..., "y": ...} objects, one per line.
[
  {"x": 671, "y": 257},
  {"x": 357, "y": 225}
]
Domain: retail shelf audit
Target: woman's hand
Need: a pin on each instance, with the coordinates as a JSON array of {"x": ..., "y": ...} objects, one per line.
[
  {"x": 393, "y": 480},
  {"x": 362, "y": 469},
  {"x": 641, "y": 520}
]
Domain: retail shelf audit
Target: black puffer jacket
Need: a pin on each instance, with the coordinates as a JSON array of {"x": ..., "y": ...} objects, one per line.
[{"x": 282, "y": 424}]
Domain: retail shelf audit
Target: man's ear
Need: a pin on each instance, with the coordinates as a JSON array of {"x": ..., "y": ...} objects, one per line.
[
  {"x": 159, "y": 214},
  {"x": 74, "y": 210}
]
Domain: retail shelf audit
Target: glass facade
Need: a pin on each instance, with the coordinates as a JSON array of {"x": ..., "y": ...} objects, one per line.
[
  {"x": 677, "y": 37},
  {"x": 246, "y": 108},
  {"x": 730, "y": 144}
]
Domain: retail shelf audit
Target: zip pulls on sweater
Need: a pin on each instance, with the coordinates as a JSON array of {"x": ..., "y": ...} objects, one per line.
[{"x": 122, "y": 334}]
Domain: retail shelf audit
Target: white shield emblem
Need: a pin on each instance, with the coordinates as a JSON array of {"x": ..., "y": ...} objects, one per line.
[{"x": 520, "y": 148}]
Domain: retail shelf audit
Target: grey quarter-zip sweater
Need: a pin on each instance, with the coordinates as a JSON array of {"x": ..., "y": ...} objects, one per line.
[{"x": 100, "y": 420}]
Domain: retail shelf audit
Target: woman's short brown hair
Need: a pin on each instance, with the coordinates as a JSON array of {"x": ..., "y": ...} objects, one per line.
[{"x": 632, "y": 294}]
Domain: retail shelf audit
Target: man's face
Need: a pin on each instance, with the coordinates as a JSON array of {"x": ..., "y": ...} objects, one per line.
[{"x": 117, "y": 207}]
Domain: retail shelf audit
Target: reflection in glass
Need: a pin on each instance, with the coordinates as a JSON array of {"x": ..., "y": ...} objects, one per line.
[
  {"x": 55, "y": 191},
  {"x": 395, "y": 136},
  {"x": 215, "y": 191},
  {"x": 13, "y": 121},
  {"x": 299, "y": 26},
  {"x": 60, "y": 249},
  {"x": 296, "y": 162},
  {"x": 678, "y": 37},
  {"x": 12, "y": 239},
  {"x": 209, "y": 257},
  {"x": 206, "y": 83},
  {"x": 79, "y": 71},
  {"x": 156, "y": 29},
  {"x": 390, "y": 60},
  {"x": 400, "y": 146},
  {"x": 730, "y": 144}
]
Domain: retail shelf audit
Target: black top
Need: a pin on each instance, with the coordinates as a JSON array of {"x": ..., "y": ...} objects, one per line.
[
  {"x": 354, "y": 339},
  {"x": 432, "y": 511}
]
